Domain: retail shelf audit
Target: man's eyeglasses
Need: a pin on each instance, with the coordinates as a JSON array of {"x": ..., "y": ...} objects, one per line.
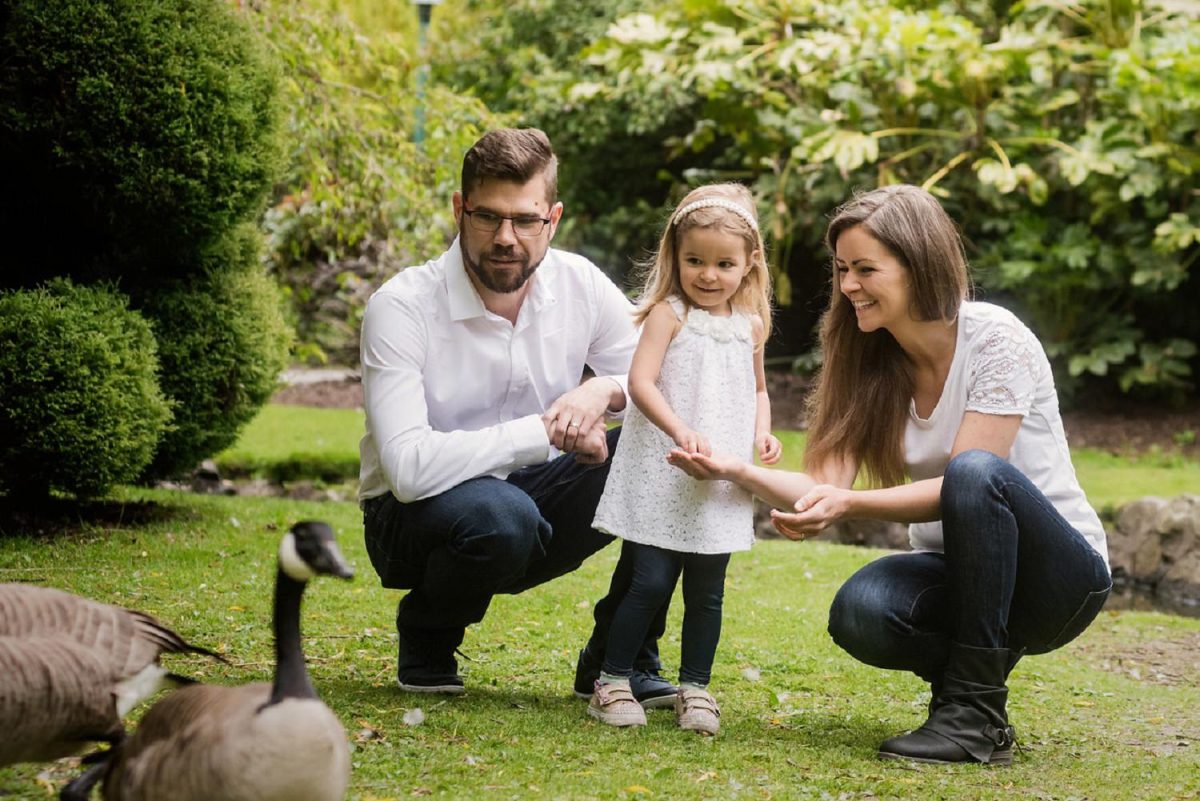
[{"x": 485, "y": 222}]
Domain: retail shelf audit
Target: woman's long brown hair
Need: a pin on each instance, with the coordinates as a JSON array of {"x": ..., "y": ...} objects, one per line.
[{"x": 859, "y": 407}]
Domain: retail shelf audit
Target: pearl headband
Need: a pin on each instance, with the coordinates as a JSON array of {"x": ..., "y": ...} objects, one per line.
[{"x": 716, "y": 202}]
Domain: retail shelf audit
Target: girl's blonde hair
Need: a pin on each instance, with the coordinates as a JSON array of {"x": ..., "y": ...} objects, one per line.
[
  {"x": 753, "y": 296},
  {"x": 859, "y": 407}
]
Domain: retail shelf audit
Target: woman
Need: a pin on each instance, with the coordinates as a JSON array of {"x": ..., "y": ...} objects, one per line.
[{"x": 1008, "y": 557}]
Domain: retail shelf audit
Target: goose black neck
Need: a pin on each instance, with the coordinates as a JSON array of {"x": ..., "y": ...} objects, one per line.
[{"x": 291, "y": 674}]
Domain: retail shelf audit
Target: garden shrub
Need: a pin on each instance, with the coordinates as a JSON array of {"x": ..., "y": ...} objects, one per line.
[
  {"x": 222, "y": 343},
  {"x": 147, "y": 128},
  {"x": 80, "y": 406}
]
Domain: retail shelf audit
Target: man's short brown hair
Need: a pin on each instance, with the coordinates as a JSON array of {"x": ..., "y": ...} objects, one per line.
[{"x": 511, "y": 154}]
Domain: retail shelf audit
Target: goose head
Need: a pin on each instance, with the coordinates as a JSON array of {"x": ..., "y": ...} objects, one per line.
[{"x": 309, "y": 550}]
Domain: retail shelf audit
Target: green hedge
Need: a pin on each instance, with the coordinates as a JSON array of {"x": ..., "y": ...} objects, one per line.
[
  {"x": 222, "y": 344},
  {"x": 80, "y": 407},
  {"x": 145, "y": 127}
]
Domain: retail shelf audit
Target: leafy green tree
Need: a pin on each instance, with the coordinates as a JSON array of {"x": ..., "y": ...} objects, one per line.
[
  {"x": 1062, "y": 135},
  {"x": 222, "y": 343},
  {"x": 360, "y": 198},
  {"x": 145, "y": 128},
  {"x": 525, "y": 58}
]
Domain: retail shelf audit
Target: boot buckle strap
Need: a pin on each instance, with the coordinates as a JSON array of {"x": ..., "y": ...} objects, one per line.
[{"x": 1002, "y": 737}]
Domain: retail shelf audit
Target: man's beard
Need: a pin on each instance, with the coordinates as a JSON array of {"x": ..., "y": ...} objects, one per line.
[{"x": 507, "y": 281}]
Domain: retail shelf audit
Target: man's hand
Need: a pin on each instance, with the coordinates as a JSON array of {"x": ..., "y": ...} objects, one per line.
[
  {"x": 572, "y": 419},
  {"x": 591, "y": 447}
]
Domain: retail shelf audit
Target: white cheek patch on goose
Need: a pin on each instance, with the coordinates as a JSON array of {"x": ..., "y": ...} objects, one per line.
[{"x": 291, "y": 562}]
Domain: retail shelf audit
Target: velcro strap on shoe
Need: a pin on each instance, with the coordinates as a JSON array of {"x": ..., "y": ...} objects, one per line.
[
  {"x": 613, "y": 693},
  {"x": 700, "y": 700}
]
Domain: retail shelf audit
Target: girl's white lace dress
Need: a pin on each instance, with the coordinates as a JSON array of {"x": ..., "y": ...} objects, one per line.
[{"x": 707, "y": 377}]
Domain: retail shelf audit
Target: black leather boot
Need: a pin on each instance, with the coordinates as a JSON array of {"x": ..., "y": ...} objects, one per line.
[{"x": 967, "y": 720}]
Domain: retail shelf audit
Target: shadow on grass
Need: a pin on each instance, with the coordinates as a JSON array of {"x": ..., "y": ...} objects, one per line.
[{"x": 59, "y": 517}]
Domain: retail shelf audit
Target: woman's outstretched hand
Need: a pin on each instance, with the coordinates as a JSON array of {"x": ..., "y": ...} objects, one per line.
[
  {"x": 820, "y": 508},
  {"x": 705, "y": 468}
]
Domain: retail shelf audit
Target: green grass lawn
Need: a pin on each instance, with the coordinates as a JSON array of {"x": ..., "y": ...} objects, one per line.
[
  {"x": 1114, "y": 715},
  {"x": 1096, "y": 720},
  {"x": 288, "y": 442}
]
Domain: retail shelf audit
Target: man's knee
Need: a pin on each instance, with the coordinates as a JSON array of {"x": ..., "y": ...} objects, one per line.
[{"x": 508, "y": 532}]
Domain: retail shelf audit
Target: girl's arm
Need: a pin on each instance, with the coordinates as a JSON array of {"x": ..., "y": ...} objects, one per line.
[
  {"x": 659, "y": 328},
  {"x": 918, "y": 502},
  {"x": 768, "y": 446},
  {"x": 779, "y": 488}
]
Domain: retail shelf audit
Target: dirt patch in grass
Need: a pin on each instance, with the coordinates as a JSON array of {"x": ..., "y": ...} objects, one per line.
[{"x": 1168, "y": 661}]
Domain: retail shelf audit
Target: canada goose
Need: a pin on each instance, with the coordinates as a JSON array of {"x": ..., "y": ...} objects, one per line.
[
  {"x": 258, "y": 742},
  {"x": 72, "y": 668}
]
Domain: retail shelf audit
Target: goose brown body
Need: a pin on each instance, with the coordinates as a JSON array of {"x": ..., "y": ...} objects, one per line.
[
  {"x": 126, "y": 639},
  {"x": 56, "y": 697},
  {"x": 206, "y": 742},
  {"x": 72, "y": 667}
]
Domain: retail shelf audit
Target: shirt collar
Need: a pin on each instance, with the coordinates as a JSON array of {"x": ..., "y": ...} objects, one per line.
[{"x": 465, "y": 302}]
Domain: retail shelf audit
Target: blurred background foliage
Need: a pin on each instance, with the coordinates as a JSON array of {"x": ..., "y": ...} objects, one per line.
[
  {"x": 1062, "y": 136},
  {"x": 360, "y": 199},
  {"x": 175, "y": 153}
]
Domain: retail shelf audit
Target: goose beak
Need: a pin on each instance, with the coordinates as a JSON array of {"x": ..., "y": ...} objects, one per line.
[{"x": 331, "y": 562}]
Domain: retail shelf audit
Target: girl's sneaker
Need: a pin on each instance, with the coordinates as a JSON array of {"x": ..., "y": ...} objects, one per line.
[
  {"x": 615, "y": 705},
  {"x": 696, "y": 710}
]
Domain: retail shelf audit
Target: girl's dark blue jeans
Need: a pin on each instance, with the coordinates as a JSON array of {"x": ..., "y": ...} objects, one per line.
[
  {"x": 655, "y": 573},
  {"x": 1014, "y": 575}
]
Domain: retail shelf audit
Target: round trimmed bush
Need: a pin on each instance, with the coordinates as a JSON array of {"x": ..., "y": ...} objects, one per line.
[
  {"x": 147, "y": 127},
  {"x": 80, "y": 407},
  {"x": 222, "y": 342}
]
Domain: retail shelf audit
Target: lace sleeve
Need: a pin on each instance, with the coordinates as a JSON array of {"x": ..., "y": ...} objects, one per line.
[{"x": 1005, "y": 370}]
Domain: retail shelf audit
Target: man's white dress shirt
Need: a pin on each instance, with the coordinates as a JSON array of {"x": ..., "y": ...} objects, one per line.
[{"x": 453, "y": 392}]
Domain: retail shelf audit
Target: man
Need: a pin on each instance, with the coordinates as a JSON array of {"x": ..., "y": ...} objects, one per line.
[{"x": 484, "y": 456}]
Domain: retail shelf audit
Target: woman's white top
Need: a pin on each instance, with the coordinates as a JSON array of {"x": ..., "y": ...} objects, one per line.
[
  {"x": 707, "y": 377},
  {"x": 1000, "y": 368}
]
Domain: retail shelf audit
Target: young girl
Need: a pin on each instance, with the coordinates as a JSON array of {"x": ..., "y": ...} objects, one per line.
[
  {"x": 920, "y": 382},
  {"x": 697, "y": 384}
]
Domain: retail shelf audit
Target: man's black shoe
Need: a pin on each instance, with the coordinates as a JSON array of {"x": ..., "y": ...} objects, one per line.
[
  {"x": 587, "y": 670},
  {"x": 425, "y": 662},
  {"x": 445, "y": 684},
  {"x": 650, "y": 689}
]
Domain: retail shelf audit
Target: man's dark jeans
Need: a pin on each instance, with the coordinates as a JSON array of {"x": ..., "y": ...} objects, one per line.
[
  {"x": 454, "y": 551},
  {"x": 1014, "y": 575},
  {"x": 655, "y": 574}
]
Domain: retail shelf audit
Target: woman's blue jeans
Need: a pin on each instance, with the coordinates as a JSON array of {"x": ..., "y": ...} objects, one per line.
[
  {"x": 655, "y": 574},
  {"x": 1014, "y": 575}
]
